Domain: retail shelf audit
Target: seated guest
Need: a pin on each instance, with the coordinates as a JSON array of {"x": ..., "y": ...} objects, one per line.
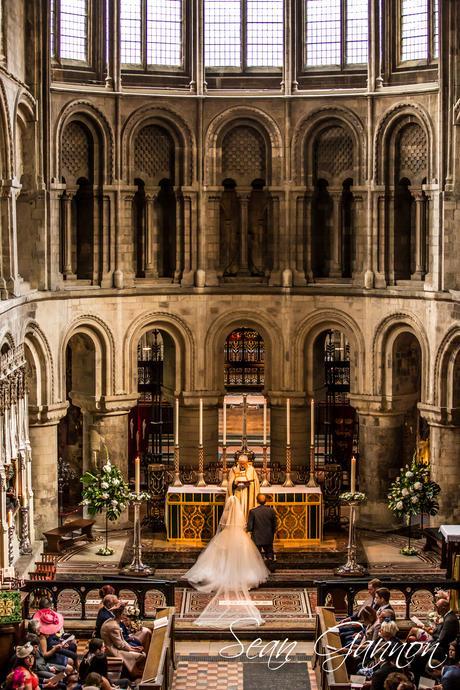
[
  {"x": 111, "y": 634},
  {"x": 25, "y": 661},
  {"x": 42, "y": 668},
  {"x": 133, "y": 631},
  {"x": 445, "y": 632},
  {"x": 394, "y": 680},
  {"x": 109, "y": 602},
  {"x": 95, "y": 661},
  {"x": 94, "y": 681},
  {"x": 406, "y": 685},
  {"x": 382, "y": 601},
  {"x": 363, "y": 629},
  {"x": 54, "y": 649},
  {"x": 105, "y": 591}
]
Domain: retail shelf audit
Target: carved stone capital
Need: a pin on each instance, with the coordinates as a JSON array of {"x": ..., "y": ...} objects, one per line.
[{"x": 47, "y": 415}]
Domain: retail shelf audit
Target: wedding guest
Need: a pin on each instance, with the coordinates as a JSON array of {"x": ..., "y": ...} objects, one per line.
[
  {"x": 446, "y": 632},
  {"x": 111, "y": 634},
  {"x": 133, "y": 631},
  {"x": 42, "y": 668},
  {"x": 54, "y": 648},
  {"x": 382, "y": 601},
  {"x": 394, "y": 680},
  {"x": 109, "y": 602},
  {"x": 25, "y": 662}
]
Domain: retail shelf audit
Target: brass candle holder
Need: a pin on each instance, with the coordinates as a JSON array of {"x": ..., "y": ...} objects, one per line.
[
  {"x": 312, "y": 479},
  {"x": 201, "y": 480},
  {"x": 265, "y": 481},
  {"x": 288, "y": 481},
  {"x": 177, "y": 480},
  {"x": 224, "y": 482}
]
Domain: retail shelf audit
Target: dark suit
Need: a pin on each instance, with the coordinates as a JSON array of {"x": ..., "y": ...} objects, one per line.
[
  {"x": 447, "y": 631},
  {"x": 262, "y": 526}
]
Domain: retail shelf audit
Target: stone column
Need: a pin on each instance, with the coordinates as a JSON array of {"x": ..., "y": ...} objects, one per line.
[
  {"x": 445, "y": 464},
  {"x": 10, "y": 280},
  {"x": 380, "y": 444},
  {"x": 420, "y": 238},
  {"x": 335, "y": 268},
  {"x": 179, "y": 235},
  {"x": 43, "y": 442},
  {"x": 244, "y": 202},
  {"x": 66, "y": 207},
  {"x": 151, "y": 237},
  {"x": 300, "y": 205}
]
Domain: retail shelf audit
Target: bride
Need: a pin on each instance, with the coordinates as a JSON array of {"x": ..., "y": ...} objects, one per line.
[{"x": 229, "y": 567}]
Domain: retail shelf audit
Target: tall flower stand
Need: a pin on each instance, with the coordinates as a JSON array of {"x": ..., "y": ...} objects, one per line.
[
  {"x": 136, "y": 566},
  {"x": 351, "y": 567}
]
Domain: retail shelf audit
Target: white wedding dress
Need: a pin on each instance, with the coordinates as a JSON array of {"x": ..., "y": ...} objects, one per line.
[{"x": 229, "y": 567}]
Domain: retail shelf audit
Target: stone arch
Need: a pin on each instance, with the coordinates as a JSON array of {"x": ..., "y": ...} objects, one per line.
[
  {"x": 184, "y": 348},
  {"x": 251, "y": 117},
  {"x": 101, "y": 131},
  {"x": 40, "y": 361},
  {"x": 397, "y": 117},
  {"x": 177, "y": 129},
  {"x": 24, "y": 134},
  {"x": 308, "y": 331},
  {"x": 6, "y": 340},
  {"x": 385, "y": 336},
  {"x": 216, "y": 334},
  {"x": 6, "y": 137},
  {"x": 307, "y": 132},
  {"x": 102, "y": 340},
  {"x": 446, "y": 370}
]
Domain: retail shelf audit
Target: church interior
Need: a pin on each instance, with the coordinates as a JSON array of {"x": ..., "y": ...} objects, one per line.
[{"x": 229, "y": 279}]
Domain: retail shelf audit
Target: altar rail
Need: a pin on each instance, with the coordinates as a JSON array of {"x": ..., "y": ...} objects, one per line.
[
  {"x": 342, "y": 593},
  {"x": 79, "y": 599}
]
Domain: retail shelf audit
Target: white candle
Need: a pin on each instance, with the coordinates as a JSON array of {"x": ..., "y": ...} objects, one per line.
[
  {"x": 353, "y": 475},
  {"x": 201, "y": 422},
  {"x": 10, "y": 518},
  {"x": 137, "y": 475},
  {"x": 176, "y": 424},
  {"x": 312, "y": 422},
  {"x": 265, "y": 423},
  {"x": 288, "y": 422},
  {"x": 224, "y": 432}
]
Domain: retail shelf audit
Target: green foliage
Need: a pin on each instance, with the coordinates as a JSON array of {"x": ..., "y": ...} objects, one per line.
[
  {"x": 106, "y": 490},
  {"x": 413, "y": 492}
]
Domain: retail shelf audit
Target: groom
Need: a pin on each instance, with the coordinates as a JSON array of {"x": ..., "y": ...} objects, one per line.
[{"x": 262, "y": 526}]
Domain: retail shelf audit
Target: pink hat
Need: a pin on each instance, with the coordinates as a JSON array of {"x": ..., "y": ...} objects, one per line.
[{"x": 50, "y": 621}]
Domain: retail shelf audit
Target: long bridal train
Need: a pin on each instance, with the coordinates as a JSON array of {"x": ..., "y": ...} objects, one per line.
[{"x": 229, "y": 567}]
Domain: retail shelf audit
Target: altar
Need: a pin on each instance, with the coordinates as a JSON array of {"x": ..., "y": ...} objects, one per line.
[{"x": 193, "y": 513}]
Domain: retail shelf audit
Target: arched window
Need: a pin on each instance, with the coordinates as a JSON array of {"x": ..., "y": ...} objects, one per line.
[
  {"x": 151, "y": 33},
  {"x": 336, "y": 33},
  {"x": 69, "y": 30},
  {"x": 243, "y": 34},
  {"x": 418, "y": 30}
]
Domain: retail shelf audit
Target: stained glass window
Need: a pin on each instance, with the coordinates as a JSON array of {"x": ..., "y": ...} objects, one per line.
[
  {"x": 151, "y": 33},
  {"x": 243, "y": 33},
  {"x": 244, "y": 360},
  {"x": 419, "y": 30},
  {"x": 336, "y": 35}
]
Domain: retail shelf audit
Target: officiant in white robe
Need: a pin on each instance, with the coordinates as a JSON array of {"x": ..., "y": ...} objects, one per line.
[{"x": 243, "y": 483}]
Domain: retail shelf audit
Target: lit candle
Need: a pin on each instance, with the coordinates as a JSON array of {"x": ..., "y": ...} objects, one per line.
[
  {"x": 224, "y": 432},
  {"x": 176, "y": 424},
  {"x": 312, "y": 422},
  {"x": 201, "y": 422},
  {"x": 137, "y": 475},
  {"x": 353, "y": 475},
  {"x": 288, "y": 422},
  {"x": 10, "y": 518},
  {"x": 265, "y": 423}
]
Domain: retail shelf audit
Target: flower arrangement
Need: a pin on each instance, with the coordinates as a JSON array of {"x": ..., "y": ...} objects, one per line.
[
  {"x": 413, "y": 493},
  {"x": 106, "y": 490},
  {"x": 353, "y": 497}
]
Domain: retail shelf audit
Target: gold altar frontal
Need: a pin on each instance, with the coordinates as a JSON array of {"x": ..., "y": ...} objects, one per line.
[{"x": 193, "y": 513}]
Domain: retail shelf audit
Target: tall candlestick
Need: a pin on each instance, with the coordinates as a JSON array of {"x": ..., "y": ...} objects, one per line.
[
  {"x": 312, "y": 422},
  {"x": 224, "y": 433},
  {"x": 200, "y": 441},
  {"x": 176, "y": 424},
  {"x": 137, "y": 475},
  {"x": 10, "y": 518},
  {"x": 353, "y": 475},
  {"x": 265, "y": 424},
  {"x": 288, "y": 422}
]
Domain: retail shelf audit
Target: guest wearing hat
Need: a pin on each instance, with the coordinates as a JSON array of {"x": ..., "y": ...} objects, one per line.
[
  {"x": 53, "y": 648},
  {"x": 25, "y": 662},
  {"x": 111, "y": 634}
]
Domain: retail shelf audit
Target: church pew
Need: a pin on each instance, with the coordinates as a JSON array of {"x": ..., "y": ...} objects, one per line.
[
  {"x": 331, "y": 673},
  {"x": 160, "y": 662}
]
